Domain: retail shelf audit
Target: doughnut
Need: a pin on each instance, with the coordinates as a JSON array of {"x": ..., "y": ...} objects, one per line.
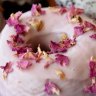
[{"x": 48, "y": 52}]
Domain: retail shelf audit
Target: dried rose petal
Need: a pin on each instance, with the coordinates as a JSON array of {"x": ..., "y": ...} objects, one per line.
[
  {"x": 21, "y": 50},
  {"x": 76, "y": 19},
  {"x": 51, "y": 88},
  {"x": 64, "y": 37},
  {"x": 93, "y": 36},
  {"x": 89, "y": 25},
  {"x": 62, "y": 10},
  {"x": 24, "y": 64},
  {"x": 46, "y": 66},
  {"x": 17, "y": 39},
  {"x": 17, "y": 15},
  {"x": 37, "y": 24},
  {"x": 12, "y": 22},
  {"x": 74, "y": 11},
  {"x": 62, "y": 59},
  {"x": 14, "y": 19},
  {"x": 55, "y": 47},
  {"x": 73, "y": 42},
  {"x": 7, "y": 68},
  {"x": 61, "y": 74},
  {"x": 11, "y": 44},
  {"x": 90, "y": 89},
  {"x": 79, "y": 11},
  {"x": 27, "y": 55},
  {"x": 92, "y": 65},
  {"x": 49, "y": 61},
  {"x": 20, "y": 28},
  {"x": 15, "y": 47},
  {"x": 66, "y": 43},
  {"x": 37, "y": 10},
  {"x": 78, "y": 30}
]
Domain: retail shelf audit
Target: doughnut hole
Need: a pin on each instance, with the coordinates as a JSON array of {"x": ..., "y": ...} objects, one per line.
[{"x": 44, "y": 41}]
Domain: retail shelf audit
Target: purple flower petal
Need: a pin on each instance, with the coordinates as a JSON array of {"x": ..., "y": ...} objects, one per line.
[
  {"x": 78, "y": 30},
  {"x": 28, "y": 55},
  {"x": 92, "y": 65},
  {"x": 75, "y": 11},
  {"x": 93, "y": 36},
  {"x": 11, "y": 44},
  {"x": 62, "y": 59},
  {"x": 90, "y": 89},
  {"x": 24, "y": 64},
  {"x": 21, "y": 50},
  {"x": 14, "y": 19},
  {"x": 20, "y": 28},
  {"x": 16, "y": 48},
  {"x": 89, "y": 25},
  {"x": 37, "y": 10},
  {"x": 63, "y": 10},
  {"x": 7, "y": 68},
  {"x": 51, "y": 88},
  {"x": 67, "y": 43},
  {"x": 55, "y": 47},
  {"x": 17, "y": 39},
  {"x": 79, "y": 11},
  {"x": 12, "y": 22}
]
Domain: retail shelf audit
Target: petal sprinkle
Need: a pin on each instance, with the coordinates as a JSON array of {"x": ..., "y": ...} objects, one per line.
[
  {"x": 51, "y": 88},
  {"x": 62, "y": 59}
]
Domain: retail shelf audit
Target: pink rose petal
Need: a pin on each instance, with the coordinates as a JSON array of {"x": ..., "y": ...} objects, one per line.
[
  {"x": 93, "y": 36},
  {"x": 89, "y": 25},
  {"x": 78, "y": 30},
  {"x": 21, "y": 50},
  {"x": 7, "y": 68},
  {"x": 79, "y": 11},
  {"x": 17, "y": 39},
  {"x": 18, "y": 14},
  {"x": 20, "y": 28},
  {"x": 24, "y": 64},
  {"x": 11, "y": 44},
  {"x": 72, "y": 11},
  {"x": 62, "y": 59},
  {"x": 27, "y": 55},
  {"x": 37, "y": 10},
  {"x": 67, "y": 43},
  {"x": 12, "y": 22},
  {"x": 90, "y": 89},
  {"x": 75, "y": 11},
  {"x": 55, "y": 47},
  {"x": 51, "y": 88},
  {"x": 14, "y": 19},
  {"x": 63, "y": 10},
  {"x": 92, "y": 65}
]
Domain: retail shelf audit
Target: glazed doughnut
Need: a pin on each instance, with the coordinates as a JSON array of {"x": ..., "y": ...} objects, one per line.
[{"x": 48, "y": 52}]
